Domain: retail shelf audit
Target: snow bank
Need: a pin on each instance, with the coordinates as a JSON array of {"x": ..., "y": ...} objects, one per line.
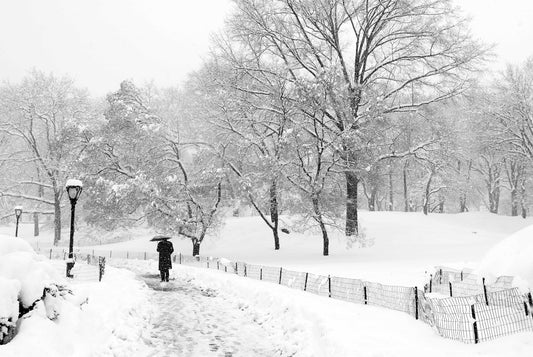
[
  {"x": 512, "y": 256},
  {"x": 9, "y": 244},
  {"x": 20, "y": 263},
  {"x": 112, "y": 323}
]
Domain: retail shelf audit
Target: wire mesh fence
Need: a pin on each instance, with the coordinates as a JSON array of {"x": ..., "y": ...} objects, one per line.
[{"x": 458, "y": 304}]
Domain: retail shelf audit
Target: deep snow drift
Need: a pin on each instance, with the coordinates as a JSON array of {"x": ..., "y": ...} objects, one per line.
[{"x": 512, "y": 256}]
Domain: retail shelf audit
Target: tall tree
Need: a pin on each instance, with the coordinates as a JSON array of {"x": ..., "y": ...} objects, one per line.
[
  {"x": 359, "y": 61},
  {"x": 44, "y": 114}
]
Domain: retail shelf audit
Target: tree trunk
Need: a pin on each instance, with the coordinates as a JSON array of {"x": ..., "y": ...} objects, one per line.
[
  {"x": 405, "y": 192},
  {"x": 523, "y": 198},
  {"x": 372, "y": 199},
  {"x": 426, "y": 194},
  {"x": 57, "y": 218},
  {"x": 514, "y": 202},
  {"x": 35, "y": 224},
  {"x": 391, "y": 191},
  {"x": 318, "y": 218},
  {"x": 441, "y": 204},
  {"x": 195, "y": 248},
  {"x": 494, "y": 200},
  {"x": 274, "y": 212},
  {"x": 462, "y": 203},
  {"x": 352, "y": 223},
  {"x": 463, "y": 197}
]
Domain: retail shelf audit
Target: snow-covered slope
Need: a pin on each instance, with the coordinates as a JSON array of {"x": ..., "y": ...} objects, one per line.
[{"x": 405, "y": 245}]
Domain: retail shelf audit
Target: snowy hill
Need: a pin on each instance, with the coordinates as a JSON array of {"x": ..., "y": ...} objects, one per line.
[{"x": 405, "y": 245}]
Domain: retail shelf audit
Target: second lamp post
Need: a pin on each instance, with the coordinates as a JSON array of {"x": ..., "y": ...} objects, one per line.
[
  {"x": 74, "y": 188},
  {"x": 18, "y": 213}
]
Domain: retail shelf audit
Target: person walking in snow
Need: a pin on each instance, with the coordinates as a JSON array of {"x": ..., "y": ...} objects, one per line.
[{"x": 165, "y": 249}]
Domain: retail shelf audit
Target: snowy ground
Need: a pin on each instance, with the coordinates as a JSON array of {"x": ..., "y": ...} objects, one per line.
[
  {"x": 209, "y": 313},
  {"x": 405, "y": 245}
]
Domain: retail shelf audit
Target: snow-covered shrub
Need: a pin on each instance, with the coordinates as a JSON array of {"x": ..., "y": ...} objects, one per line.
[
  {"x": 9, "y": 308},
  {"x": 361, "y": 240},
  {"x": 27, "y": 282}
]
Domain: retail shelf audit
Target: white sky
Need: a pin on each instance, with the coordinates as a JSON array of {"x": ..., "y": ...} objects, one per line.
[{"x": 102, "y": 42}]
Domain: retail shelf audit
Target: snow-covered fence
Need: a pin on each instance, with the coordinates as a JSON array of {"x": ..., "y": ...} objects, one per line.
[
  {"x": 482, "y": 317},
  {"x": 497, "y": 311},
  {"x": 473, "y": 312},
  {"x": 451, "y": 282},
  {"x": 90, "y": 267}
]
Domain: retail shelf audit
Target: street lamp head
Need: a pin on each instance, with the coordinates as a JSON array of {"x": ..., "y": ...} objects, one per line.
[
  {"x": 18, "y": 211},
  {"x": 74, "y": 188}
]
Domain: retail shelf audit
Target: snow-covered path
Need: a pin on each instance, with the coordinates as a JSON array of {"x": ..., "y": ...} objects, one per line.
[{"x": 191, "y": 320}]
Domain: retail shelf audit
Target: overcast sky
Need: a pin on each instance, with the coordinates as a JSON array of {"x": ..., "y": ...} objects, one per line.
[{"x": 102, "y": 42}]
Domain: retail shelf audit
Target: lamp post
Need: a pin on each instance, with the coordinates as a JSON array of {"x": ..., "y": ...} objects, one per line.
[
  {"x": 74, "y": 188},
  {"x": 18, "y": 213}
]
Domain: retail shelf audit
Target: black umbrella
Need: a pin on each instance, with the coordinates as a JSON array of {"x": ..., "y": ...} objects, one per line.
[{"x": 159, "y": 238}]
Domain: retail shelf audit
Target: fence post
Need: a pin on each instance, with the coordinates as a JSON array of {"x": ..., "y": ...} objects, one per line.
[
  {"x": 365, "y": 296},
  {"x": 280, "y": 270},
  {"x": 218, "y": 265},
  {"x": 236, "y": 268},
  {"x": 260, "y": 273},
  {"x": 440, "y": 276},
  {"x": 305, "y": 284},
  {"x": 526, "y": 309},
  {"x": 461, "y": 275},
  {"x": 101, "y": 266},
  {"x": 245, "y": 272},
  {"x": 144, "y": 255},
  {"x": 110, "y": 253},
  {"x": 180, "y": 258},
  {"x": 50, "y": 253},
  {"x": 127, "y": 255},
  {"x": 430, "y": 282},
  {"x": 329, "y": 285},
  {"x": 416, "y": 303},
  {"x": 476, "y": 336},
  {"x": 485, "y": 293},
  {"x": 451, "y": 292},
  {"x": 530, "y": 299},
  {"x": 207, "y": 261},
  {"x": 225, "y": 268}
]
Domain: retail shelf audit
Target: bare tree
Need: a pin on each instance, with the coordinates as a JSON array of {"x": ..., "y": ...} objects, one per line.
[
  {"x": 43, "y": 114},
  {"x": 366, "y": 56}
]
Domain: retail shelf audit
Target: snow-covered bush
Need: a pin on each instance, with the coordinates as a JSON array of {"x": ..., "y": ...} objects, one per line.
[{"x": 27, "y": 282}]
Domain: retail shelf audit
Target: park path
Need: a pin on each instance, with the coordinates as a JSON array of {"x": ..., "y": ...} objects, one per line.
[{"x": 191, "y": 320}]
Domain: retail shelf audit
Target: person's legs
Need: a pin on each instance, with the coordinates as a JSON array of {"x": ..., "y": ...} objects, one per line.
[
  {"x": 167, "y": 273},
  {"x": 162, "y": 272}
]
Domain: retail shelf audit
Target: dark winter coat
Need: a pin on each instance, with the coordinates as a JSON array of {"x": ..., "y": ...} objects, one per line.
[{"x": 165, "y": 250}]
